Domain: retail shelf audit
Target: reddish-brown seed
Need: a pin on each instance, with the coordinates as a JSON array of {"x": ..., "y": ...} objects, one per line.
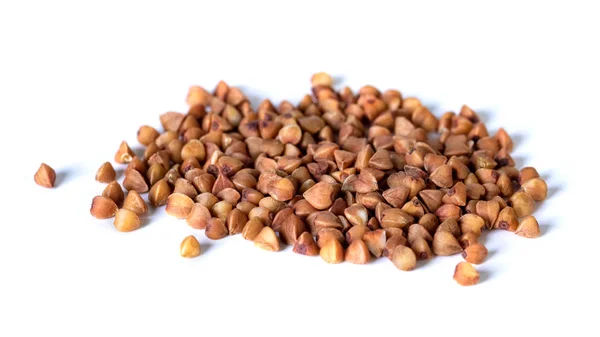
[
  {"x": 106, "y": 173},
  {"x": 114, "y": 191},
  {"x": 103, "y": 208},
  {"x": 465, "y": 274},
  {"x": 306, "y": 245},
  {"x": 45, "y": 176}
]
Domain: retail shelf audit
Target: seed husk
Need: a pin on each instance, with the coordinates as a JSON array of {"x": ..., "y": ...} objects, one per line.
[
  {"x": 457, "y": 195},
  {"x": 522, "y": 203},
  {"x": 392, "y": 242},
  {"x": 320, "y": 196},
  {"x": 528, "y": 227},
  {"x": 106, "y": 173},
  {"x": 489, "y": 211},
  {"x": 475, "y": 253},
  {"x": 536, "y": 188},
  {"x": 135, "y": 203},
  {"x": 332, "y": 252},
  {"x": 134, "y": 181},
  {"x": 357, "y": 252},
  {"x": 171, "y": 120},
  {"x": 103, "y": 208},
  {"x": 267, "y": 240},
  {"x": 357, "y": 214},
  {"x": 291, "y": 229},
  {"x": 306, "y": 245},
  {"x": 114, "y": 191},
  {"x": 284, "y": 189},
  {"x": 416, "y": 231},
  {"x": 215, "y": 229},
  {"x": 328, "y": 233},
  {"x": 451, "y": 226},
  {"x": 190, "y": 247},
  {"x": 527, "y": 173},
  {"x": 445, "y": 244},
  {"x": 198, "y": 217},
  {"x": 356, "y": 232},
  {"x": 179, "y": 205},
  {"x": 404, "y": 258},
  {"x": 222, "y": 208},
  {"x": 159, "y": 193},
  {"x": 465, "y": 274},
  {"x": 432, "y": 199},
  {"x": 467, "y": 239},
  {"x": 45, "y": 176},
  {"x": 124, "y": 154},
  {"x": 507, "y": 219},
  {"x": 442, "y": 176},
  {"x": 430, "y": 222},
  {"x": 252, "y": 228},
  {"x": 448, "y": 211},
  {"x": 375, "y": 241},
  {"x": 126, "y": 220},
  {"x": 147, "y": 135},
  {"x": 394, "y": 217},
  {"x": 396, "y": 196},
  {"x": 421, "y": 248},
  {"x": 471, "y": 223}
]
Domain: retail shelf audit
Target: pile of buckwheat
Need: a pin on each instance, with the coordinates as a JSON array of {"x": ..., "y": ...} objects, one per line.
[{"x": 346, "y": 176}]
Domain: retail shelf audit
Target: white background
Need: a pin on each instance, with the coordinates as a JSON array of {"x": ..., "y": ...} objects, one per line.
[{"x": 77, "y": 78}]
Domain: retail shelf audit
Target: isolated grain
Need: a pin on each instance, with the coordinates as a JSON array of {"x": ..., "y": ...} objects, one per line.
[
  {"x": 124, "y": 154},
  {"x": 45, "y": 176},
  {"x": 190, "y": 247},
  {"x": 306, "y": 245},
  {"x": 475, "y": 253},
  {"x": 465, "y": 274}
]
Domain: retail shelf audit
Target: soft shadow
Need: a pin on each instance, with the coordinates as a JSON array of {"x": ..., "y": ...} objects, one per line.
[
  {"x": 139, "y": 151},
  {"x": 484, "y": 275},
  {"x": 519, "y": 161},
  {"x": 545, "y": 229},
  {"x": 552, "y": 191},
  {"x": 337, "y": 80},
  {"x": 434, "y": 108},
  {"x": 423, "y": 263},
  {"x": 252, "y": 97},
  {"x": 484, "y": 116},
  {"x": 147, "y": 217},
  {"x": 61, "y": 177},
  {"x": 490, "y": 255},
  {"x": 206, "y": 246},
  {"x": 119, "y": 173},
  {"x": 518, "y": 139}
]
